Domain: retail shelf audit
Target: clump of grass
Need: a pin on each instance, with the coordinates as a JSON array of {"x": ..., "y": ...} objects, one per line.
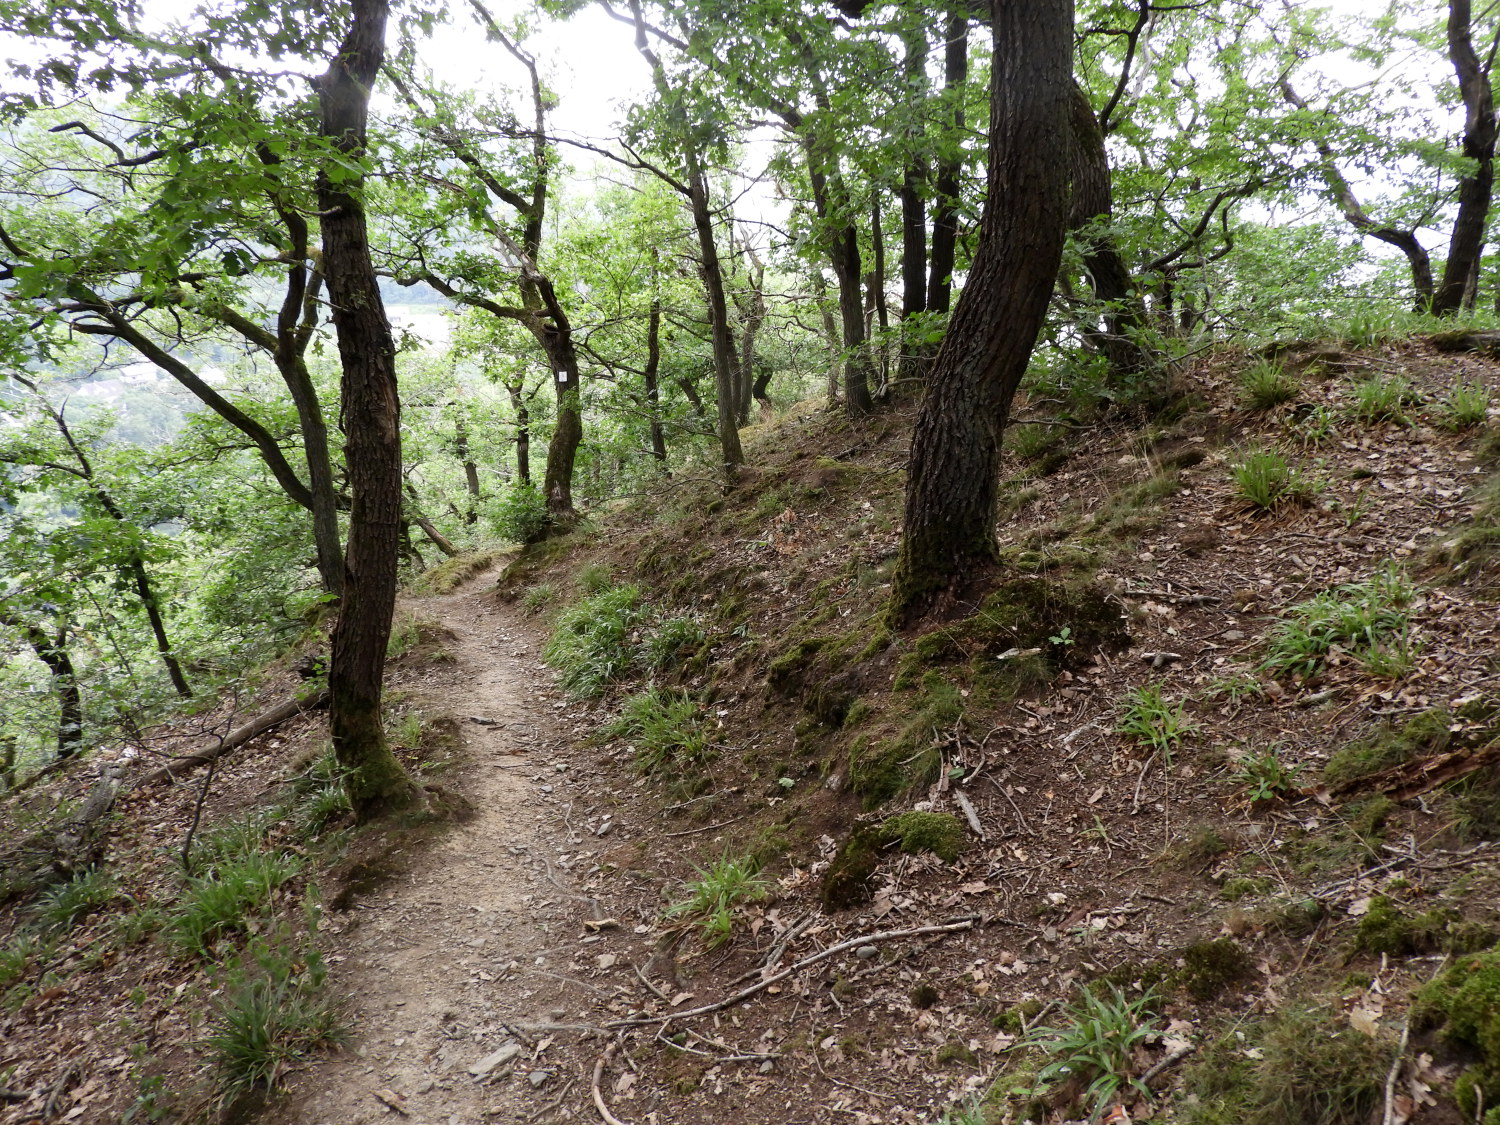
[
  {"x": 1317, "y": 426},
  {"x": 595, "y": 578},
  {"x": 1467, "y": 404},
  {"x": 228, "y": 899},
  {"x": 319, "y": 797},
  {"x": 1149, "y": 719},
  {"x": 1316, "y": 1069},
  {"x": 63, "y": 905},
  {"x": 1096, "y": 1046},
  {"x": 713, "y": 896},
  {"x": 538, "y": 598},
  {"x": 590, "y": 644},
  {"x": 670, "y": 641},
  {"x": 1264, "y": 776},
  {"x": 19, "y": 954},
  {"x": 1362, "y": 619},
  {"x": 405, "y": 730},
  {"x": 668, "y": 728},
  {"x": 1264, "y": 385},
  {"x": 1265, "y": 479},
  {"x": 273, "y": 1013},
  {"x": 1384, "y": 398}
]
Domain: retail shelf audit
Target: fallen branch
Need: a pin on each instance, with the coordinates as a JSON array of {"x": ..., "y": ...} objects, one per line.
[
  {"x": 600, "y": 1066},
  {"x": 796, "y": 966},
  {"x": 1411, "y": 779},
  {"x": 236, "y": 738}
]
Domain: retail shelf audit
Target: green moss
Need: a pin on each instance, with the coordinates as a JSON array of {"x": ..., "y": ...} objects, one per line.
[
  {"x": 1244, "y": 886},
  {"x": 1018, "y": 1017},
  {"x": 1366, "y": 818},
  {"x": 1211, "y": 967},
  {"x": 847, "y": 881},
  {"x": 785, "y": 672},
  {"x": 1390, "y": 746},
  {"x": 1465, "y": 1002},
  {"x": 1296, "y": 918},
  {"x": 939, "y": 833},
  {"x": 956, "y": 1051},
  {"x": 1386, "y": 929},
  {"x": 880, "y": 771},
  {"x": 924, "y": 995}
]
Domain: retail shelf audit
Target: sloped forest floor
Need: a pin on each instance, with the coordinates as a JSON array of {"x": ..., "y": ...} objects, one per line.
[{"x": 1190, "y": 818}]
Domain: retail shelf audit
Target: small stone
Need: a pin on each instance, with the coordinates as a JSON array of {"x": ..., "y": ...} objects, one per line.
[
  {"x": 496, "y": 1058},
  {"x": 767, "y": 1066},
  {"x": 866, "y": 952},
  {"x": 538, "y": 1078},
  {"x": 1233, "y": 635}
]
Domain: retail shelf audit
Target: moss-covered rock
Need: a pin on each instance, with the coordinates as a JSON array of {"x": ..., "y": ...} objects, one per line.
[
  {"x": 1209, "y": 968},
  {"x": 1465, "y": 1002},
  {"x": 847, "y": 882},
  {"x": 1387, "y": 929}
]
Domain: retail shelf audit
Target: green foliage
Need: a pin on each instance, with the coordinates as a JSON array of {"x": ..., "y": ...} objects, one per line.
[
  {"x": 1386, "y": 929},
  {"x": 538, "y": 598},
  {"x": 669, "y": 730},
  {"x": 1211, "y": 967},
  {"x": 1095, "y": 1046},
  {"x": 1467, "y": 404},
  {"x": 20, "y": 954},
  {"x": 1265, "y": 479},
  {"x": 1361, "y": 619},
  {"x": 1390, "y": 745},
  {"x": 1147, "y": 718},
  {"x": 590, "y": 645},
  {"x": 519, "y": 514},
  {"x": 60, "y": 906},
  {"x": 1317, "y": 427},
  {"x": 1384, "y": 398},
  {"x": 319, "y": 796},
  {"x": 713, "y": 896},
  {"x": 1265, "y": 384},
  {"x": 273, "y": 1013},
  {"x": 1264, "y": 776},
  {"x": 1316, "y": 1069},
  {"x": 670, "y": 641},
  {"x": 228, "y": 899}
]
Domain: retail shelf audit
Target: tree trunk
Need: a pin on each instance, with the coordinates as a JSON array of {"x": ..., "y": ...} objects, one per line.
[
  {"x": 718, "y": 316},
  {"x": 882, "y": 316},
  {"x": 753, "y": 315},
  {"x": 53, "y": 652},
  {"x": 953, "y": 475},
  {"x": 375, "y": 780},
  {"x": 948, "y": 185},
  {"x": 471, "y": 469},
  {"x": 523, "y": 431},
  {"x": 914, "y": 174},
  {"x": 649, "y": 378},
  {"x": 152, "y": 607},
  {"x": 1121, "y": 308},
  {"x": 567, "y": 431},
  {"x": 1474, "y": 191}
]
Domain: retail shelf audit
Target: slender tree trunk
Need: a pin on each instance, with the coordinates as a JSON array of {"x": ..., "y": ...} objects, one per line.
[
  {"x": 152, "y": 607},
  {"x": 914, "y": 174},
  {"x": 877, "y": 288},
  {"x": 523, "y": 431},
  {"x": 471, "y": 469},
  {"x": 1475, "y": 190},
  {"x": 53, "y": 652},
  {"x": 567, "y": 431},
  {"x": 1121, "y": 307},
  {"x": 649, "y": 378},
  {"x": 948, "y": 541},
  {"x": 948, "y": 184},
  {"x": 375, "y": 780},
  {"x": 731, "y": 454}
]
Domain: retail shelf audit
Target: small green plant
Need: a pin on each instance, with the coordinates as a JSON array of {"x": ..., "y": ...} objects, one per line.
[
  {"x": 1235, "y": 689},
  {"x": 228, "y": 899},
  {"x": 670, "y": 640},
  {"x": 1264, "y": 776},
  {"x": 1384, "y": 398},
  {"x": 1466, "y": 404},
  {"x": 590, "y": 645},
  {"x": 668, "y": 728},
  {"x": 19, "y": 954},
  {"x": 595, "y": 577},
  {"x": 405, "y": 731},
  {"x": 538, "y": 598},
  {"x": 1317, "y": 426},
  {"x": 520, "y": 514},
  {"x": 1063, "y": 637},
  {"x": 1149, "y": 719},
  {"x": 1265, "y": 479},
  {"x": 319, "y": 797},
  {"x": 273, "y": 1013},
  {"x": 61, "y": 906},
  {"x": 1265, "y": 384},
  {"x": 1096, "y": 1045},
  {"x": 1359, "y": 618},
  {"x": 713, "y": 896}
]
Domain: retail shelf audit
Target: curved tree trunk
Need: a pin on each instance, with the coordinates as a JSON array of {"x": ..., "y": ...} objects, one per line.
[
  {"x": 372, "y": 427},
  {"x": 1474, "y": 191},
  {"x": 731, "y": 454},
  {"x": 949, "y": 182},
  {"x": 953, "y": 474}
]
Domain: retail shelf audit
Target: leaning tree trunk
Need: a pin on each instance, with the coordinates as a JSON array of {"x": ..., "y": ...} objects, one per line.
[
  {"x": 372, "y": 428},
  {"x": 948, "y": 185},
  {"x": 731, "y": 454},
  {"x": 953, "y": 473},
  {"x": 1474, "y": 190}
]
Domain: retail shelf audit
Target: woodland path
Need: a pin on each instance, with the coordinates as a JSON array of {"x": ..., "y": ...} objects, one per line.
[{"x": 445, "y": 963}]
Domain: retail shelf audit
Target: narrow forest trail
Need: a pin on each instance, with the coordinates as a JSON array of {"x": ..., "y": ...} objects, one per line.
[{"x": 444, "y": 962}]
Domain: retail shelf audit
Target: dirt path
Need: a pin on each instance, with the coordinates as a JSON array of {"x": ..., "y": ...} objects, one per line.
[{"x": 446, "y": 964}]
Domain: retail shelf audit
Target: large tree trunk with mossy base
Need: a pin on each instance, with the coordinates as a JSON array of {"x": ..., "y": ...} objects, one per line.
[
  {"x": 1466, "y": 246},
  {"x": 375, "y": 780},
  {"x": 953, "y": 473}
]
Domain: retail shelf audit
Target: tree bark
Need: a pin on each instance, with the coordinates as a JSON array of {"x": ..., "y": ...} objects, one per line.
[
  {"x": 731, "y": 454},
  {"x": 53, "y": 652},
  {"x": 375, "y": 780},
  {"x": 948, "y": 184},
  {"x": 1474, "y": 190},
  {"x": 649, "y": 377},
  {"x": 523, "y": 431},
  {"x": 471, "y": 468},
  {"x": 953, "y": 475},
  {"x": 1121, "y": 307}
]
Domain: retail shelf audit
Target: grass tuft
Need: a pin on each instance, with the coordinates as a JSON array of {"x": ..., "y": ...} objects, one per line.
[
  {"x": 590, "y": 645},
  {"x": 1265, "y": 480},
  {"x": 1264, "y": 385},
  {"x": 669, "y": 730},
  {"x": 1369, "y": 620},
  {"x": 713, "y": 896}
]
